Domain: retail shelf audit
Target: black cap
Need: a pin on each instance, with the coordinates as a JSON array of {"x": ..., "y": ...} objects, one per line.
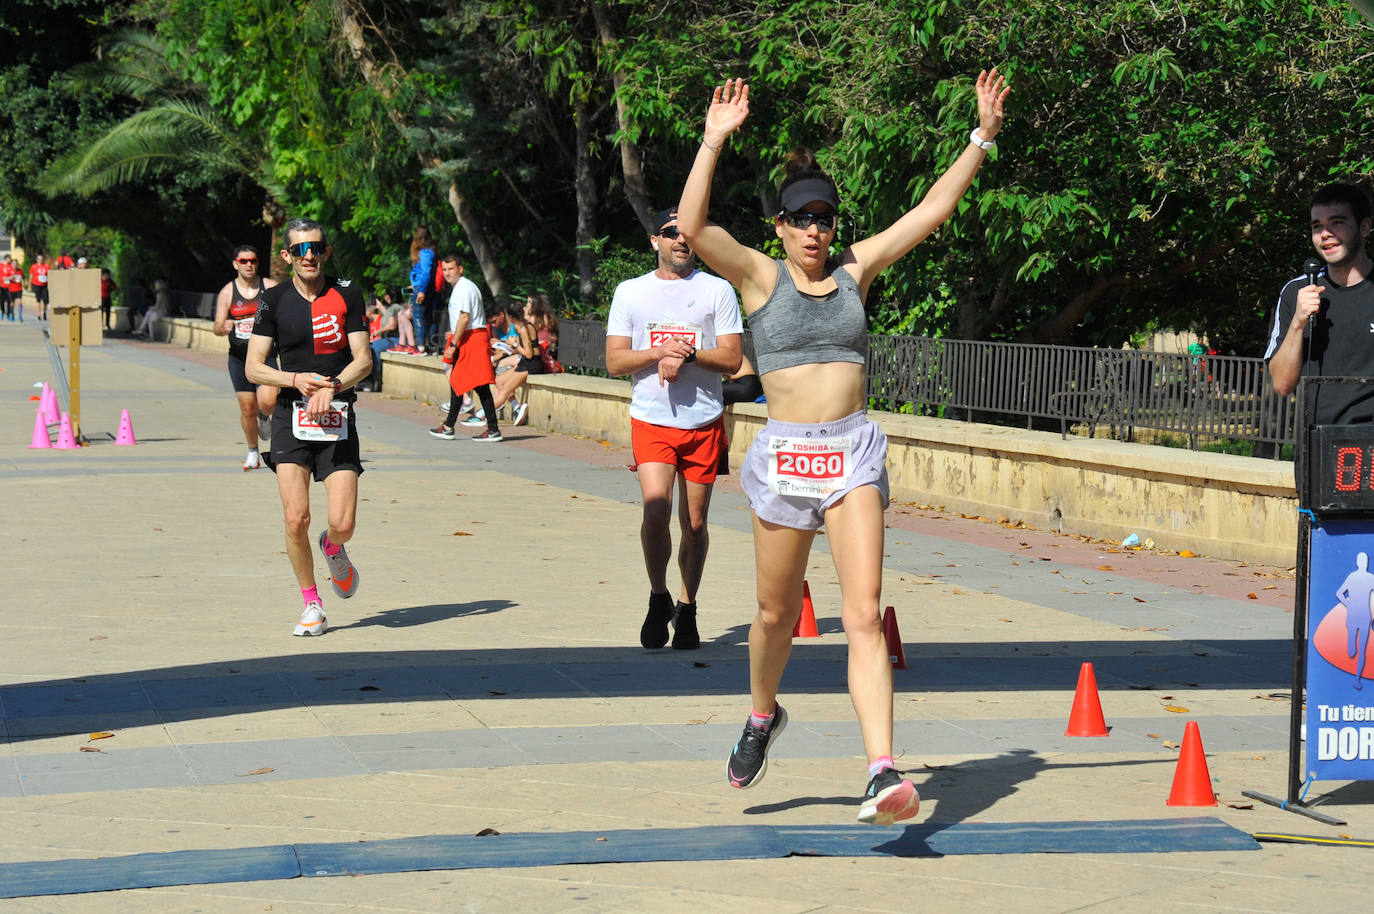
[{"x": 663, "y": 218}]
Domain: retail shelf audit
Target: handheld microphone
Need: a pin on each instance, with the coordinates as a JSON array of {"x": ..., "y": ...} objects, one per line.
[{"x": 1313, "y": 269}]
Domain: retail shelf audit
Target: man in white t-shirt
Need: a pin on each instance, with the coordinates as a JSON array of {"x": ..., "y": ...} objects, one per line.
[
  {"x": 465, "y": 297},
  {"x": 469, "y": 353},
  {"x": 675, "y": 331}
]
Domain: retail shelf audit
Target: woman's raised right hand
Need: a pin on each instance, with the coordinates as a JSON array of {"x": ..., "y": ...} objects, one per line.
[{"x": 729, "y": 107}]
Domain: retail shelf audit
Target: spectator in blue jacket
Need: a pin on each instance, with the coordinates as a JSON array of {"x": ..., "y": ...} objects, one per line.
[{"x": 422, "y": 264}]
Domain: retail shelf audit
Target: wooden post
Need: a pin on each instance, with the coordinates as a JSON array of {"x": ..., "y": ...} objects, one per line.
[
  {"x": 74, "y": 368},
  {"x": 74, "y": 297}
]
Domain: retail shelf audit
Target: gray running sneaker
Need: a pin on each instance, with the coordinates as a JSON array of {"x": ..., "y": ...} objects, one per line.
[{"x": 342, "y": 575}]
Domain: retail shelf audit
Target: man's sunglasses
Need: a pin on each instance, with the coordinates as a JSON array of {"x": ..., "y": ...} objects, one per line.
[
  {"x": 804, "y": 220},
  {"x": 246, "y": 260},
  {"x": 317, "y": 248},
  {"x": 668, "y": 231}
]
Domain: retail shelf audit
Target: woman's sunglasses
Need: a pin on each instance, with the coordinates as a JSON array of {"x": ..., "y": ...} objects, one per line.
[
  {"x": 804, "y": 220},
  {"x": 317, "y": 248}
]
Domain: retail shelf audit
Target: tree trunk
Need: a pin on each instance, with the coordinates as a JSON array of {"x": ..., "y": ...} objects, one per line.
[
  {"x": 274, "y": 217},
  {"x": 631, "y": 166},
  {"x": 584, "y": 184},
  {"x": 481, "y": 249},
  {"x": 350, "y": 28}
]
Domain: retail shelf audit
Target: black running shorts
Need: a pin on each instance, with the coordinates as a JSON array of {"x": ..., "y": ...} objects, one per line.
[{"x": 320, "y": 457}]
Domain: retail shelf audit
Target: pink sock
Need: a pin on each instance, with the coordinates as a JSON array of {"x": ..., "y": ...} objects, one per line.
[
  {"x": 330, "y": 547},
  {"x": 760, "y": 720},
  {"x": 879, "y": 764},
  {"x": 310, "y": 595}
]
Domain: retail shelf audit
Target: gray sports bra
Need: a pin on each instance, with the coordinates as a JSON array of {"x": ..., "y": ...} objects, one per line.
[{"x": 792, "y": 329}]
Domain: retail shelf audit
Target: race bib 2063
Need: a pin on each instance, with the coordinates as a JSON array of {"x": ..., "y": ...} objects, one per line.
[{"x": 333, "y": 425}]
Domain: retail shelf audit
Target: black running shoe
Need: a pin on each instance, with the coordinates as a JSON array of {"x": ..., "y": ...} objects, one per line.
[
  {"x": 654, "y": 632},
  {"x": 685, "y": 635},
  {"x": 890, "y": 798},
  {"x": 749, "y": 760}
]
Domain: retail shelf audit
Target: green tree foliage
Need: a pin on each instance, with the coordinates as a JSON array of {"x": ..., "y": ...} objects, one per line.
[{"x": 1154, "y": 170}]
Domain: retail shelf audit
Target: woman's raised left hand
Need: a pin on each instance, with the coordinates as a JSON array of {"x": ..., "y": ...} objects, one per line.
[{"x": 992, "y": 91}]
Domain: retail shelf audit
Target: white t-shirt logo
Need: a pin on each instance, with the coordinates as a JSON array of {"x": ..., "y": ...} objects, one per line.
[{"x": 327, "y": 329}]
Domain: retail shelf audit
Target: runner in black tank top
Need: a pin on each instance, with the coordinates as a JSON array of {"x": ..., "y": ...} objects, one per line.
[{"x": 234, "y": 313}]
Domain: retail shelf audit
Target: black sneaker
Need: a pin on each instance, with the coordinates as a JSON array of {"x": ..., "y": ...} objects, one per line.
[
  {"x": 685, "y": 635},
  {"x": 890, "y": 798},
  {"x": 654, "y": 632},
  {"x": 749, "y": 760}
]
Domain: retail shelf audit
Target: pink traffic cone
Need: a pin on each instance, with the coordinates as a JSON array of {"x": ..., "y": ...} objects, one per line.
[
  {"x": 65, "y": 439},
  {"x": 126, "y": 430},
  {"x": 40, "y": 431},
  {"x": 48, "y": 406}
]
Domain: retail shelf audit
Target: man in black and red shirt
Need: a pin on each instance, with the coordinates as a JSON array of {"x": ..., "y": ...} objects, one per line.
[
  {"x": 320, "y": 329},
  {"x": 235, "y": 310}
]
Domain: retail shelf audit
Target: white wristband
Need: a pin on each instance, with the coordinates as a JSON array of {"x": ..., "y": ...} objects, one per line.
[{"x": 976, "y": 139}]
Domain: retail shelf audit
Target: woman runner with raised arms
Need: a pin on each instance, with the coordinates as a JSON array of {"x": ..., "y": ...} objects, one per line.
[{"x": 819, "y": 459}]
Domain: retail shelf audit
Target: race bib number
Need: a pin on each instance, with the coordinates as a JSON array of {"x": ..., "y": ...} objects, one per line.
[
  {"x": 333, "y": 425},
  {"x": 809, "y": 468},
  {"x": 661, "y": 332},
  {"x": 243, "y": 329}
]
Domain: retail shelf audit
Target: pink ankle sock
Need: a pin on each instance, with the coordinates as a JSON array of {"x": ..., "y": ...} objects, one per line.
[
  {"x": 879, "y": 764},
  {"x": 760, "y": 720},
  {"x": 310, "y": 595},
  {"x": 330, "y": 547}
]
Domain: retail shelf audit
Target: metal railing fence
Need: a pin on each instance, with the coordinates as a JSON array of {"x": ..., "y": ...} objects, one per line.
[{"x": 1116, "y": 390}]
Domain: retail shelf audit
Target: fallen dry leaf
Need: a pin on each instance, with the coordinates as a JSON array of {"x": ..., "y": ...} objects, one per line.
[
  {"x": 1105, "y": 568},
  {"x": 486, "y": 832},
  {"x": 256, "y": 771},
  {"x": 461, "y": 533},
  {"x": 1186, "y": 554},
  {"x": 1169, "y": 744},
  {"x": 1251, "y": 596},
  {"x": 99, "y": 637},
  {"x": 1152, "y": 735},
  {"x": 90, "y": 749},
  {"x": 1004, "y": 620},
  {"x": 1140, "y": 599},
  {"x": 1176, "y": 709},
  {"x": 103, "y": 734},
  {"x": 1240, "y": 804}
]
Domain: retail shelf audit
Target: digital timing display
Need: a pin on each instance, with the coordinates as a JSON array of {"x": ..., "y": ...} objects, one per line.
[{"x": 1343, "y": 469}]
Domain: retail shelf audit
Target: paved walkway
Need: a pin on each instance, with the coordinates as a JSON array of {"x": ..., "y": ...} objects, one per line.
[{"x": 488, "y": 675}]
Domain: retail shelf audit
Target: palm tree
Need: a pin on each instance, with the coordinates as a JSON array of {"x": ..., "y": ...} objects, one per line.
[{"x": 174, "y": 128}]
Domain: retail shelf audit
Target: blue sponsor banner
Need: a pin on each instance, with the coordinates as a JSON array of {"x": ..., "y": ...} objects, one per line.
[{"x": 1340, "y": 672}]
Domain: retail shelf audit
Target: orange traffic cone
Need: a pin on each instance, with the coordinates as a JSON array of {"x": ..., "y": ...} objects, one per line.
[
  {"x": 40, "y": 431},
  {"x": 65, "y": 439},
  {"x": 1192, "y": 781},
  {"x": 126, "y": 430},
  {"x": 893, "y": 639},
  {"x": 806, "y": 622},
  {"x": 1086, "y": 717}
]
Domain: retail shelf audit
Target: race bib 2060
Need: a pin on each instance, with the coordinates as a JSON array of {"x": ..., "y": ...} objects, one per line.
[{"x": 809, "y": 467}]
